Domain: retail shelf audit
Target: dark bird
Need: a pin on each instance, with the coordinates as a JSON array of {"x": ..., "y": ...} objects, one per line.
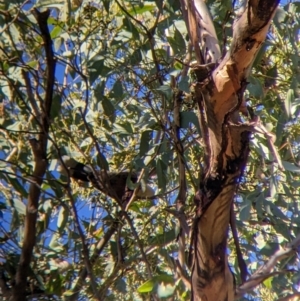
[
  {"x": 77, "y": 170},
  {"x": 112, "y": 184}
]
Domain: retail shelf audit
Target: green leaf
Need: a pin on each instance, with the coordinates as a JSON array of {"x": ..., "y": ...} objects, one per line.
[
  {"x": 118, "y": 90},
  {"x": 177, "y": 42},
  {"x": 99, "y": 94},
  {"x": 290, "y": 166},
  {"x": 271, "y": 76},
  {"x": 128, "y": 25},
  {"x": 259, "y": 203},
  {"x": 54, "y": 243},
  {"x": 283, "y": 229},
  {"x": 113, "y": 248},
  {"x": 166, "y": 91},
  {"x": 163, "y": 239},
  {"x": 15, "y": 126},
  {"x": 288, "y": 102},
  {"x": 55, "y": 284},
  {"x": 96, "y": 68},
  {"x": 106, "y": 4},
  {"x": 101, "y": 161},
  {"x": 33, "y": 64},
  {"x": 280, "y": 128},
  {"x": 120, "y": 285},
  {"x": 17, "y": 186},
  {"x": 186, "y": 118},
  {"x": 184, "y": 84},
  {"x": 255, "y": 87},
  {"x": 142, "y": 8},
  {"x": 146, "y": 287},
  {"x": 268, "y": 282},
  {"x": 15, "y": 221},
  {"x": 269, "y": 248},
  {"x": 57, "y": 43},
  {"x": 56, "y": 32},
  {"x": 287, "y": 190},
  {"x": 19, "y": 206},
  {"x": 261, "y": 148},
  {"x": 62, "y": 218},
  {"x": 165, "y": 278},
  {"x": 180, "y": 42},
  {"x": 277, "y": 212},
  {"x": 56, "y": 106},
  {"x": 136, "y": 57},
  {"x": 161, "y": 170},
  {"x": 125, "y": 128},
  {"x": 145, "y": 142},
  {"x": 109, "y": 108},
  {"x": 245, "y": 212},
  {"x": 68, "y": 293},
  {"x": 86, "y": 142}
]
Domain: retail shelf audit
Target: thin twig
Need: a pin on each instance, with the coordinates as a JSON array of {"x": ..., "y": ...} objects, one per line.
[
  {"x": 98, "y": 250},
  {"x": 6, "y": 13},
  {"x": 149, "y": 35},
  {"x": 85, "y": 250}
]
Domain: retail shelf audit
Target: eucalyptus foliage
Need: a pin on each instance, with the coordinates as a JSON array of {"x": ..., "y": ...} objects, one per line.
[{"x": 118, "y": 70}]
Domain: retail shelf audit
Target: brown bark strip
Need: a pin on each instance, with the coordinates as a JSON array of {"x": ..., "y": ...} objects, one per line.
[
  {"x": 189, "y": 14},
  {"x": 228, "y": 144},
  {"x": 39, "y": 150}
]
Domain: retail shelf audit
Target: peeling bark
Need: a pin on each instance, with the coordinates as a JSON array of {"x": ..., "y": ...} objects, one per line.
[{"x": 226, "y": 139}]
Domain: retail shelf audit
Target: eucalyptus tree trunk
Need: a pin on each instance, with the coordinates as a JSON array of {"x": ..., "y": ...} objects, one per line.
[{"x": 218, "y": 91}]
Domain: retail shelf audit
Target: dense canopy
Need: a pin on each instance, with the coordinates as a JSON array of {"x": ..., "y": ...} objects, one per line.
[{"x": 110, "y": 84}]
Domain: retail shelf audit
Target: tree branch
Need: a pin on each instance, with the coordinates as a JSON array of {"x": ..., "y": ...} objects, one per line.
[
  {"x": 39, "y": 150},
  {"x": 98, "y": 250},
  {"x": 85, "y": 251},
  {"x": 265, "y": 271},
  {"x": 220, "y": 95}
]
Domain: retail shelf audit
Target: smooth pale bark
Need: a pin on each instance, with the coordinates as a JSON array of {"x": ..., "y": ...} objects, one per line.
[{"x": 226, "y": 139}]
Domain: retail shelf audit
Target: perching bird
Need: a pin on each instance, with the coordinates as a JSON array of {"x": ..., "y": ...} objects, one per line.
[
  {"x": 77, "y": 170},
  {"x": 112, "y": 184}
]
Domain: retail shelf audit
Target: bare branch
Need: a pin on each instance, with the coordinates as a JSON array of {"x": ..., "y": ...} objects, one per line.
[
  {"x": 184, "y": 278},
  {"x": 39, "y": 148},
  {"x": 85, "y": 251},
  {"x": 98, "y": 250},
  {"x": 265, "y": 271}
]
